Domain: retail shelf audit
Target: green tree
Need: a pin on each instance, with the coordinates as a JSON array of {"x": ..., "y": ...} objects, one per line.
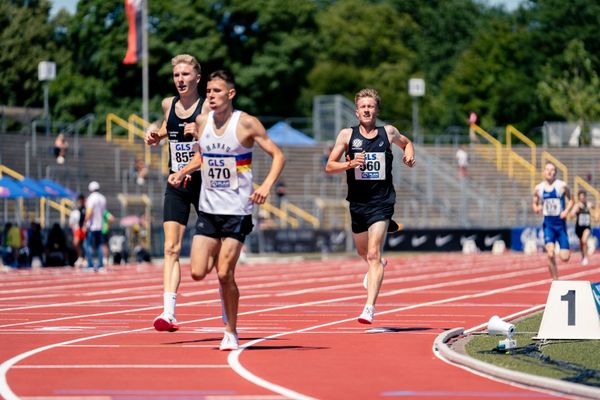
[
  {"x": 362, "y": 43},
  {"x": 571, "y": 86},
  {"x": 270, "y": 49},
  {"x": 26, "y": 38},
  {"x": 492, "y": 77}
]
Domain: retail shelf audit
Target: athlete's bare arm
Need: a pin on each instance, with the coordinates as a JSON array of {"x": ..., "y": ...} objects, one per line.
[
  {"x": 251, "y": 131},
  {"x": 176, "y": 178},
  {"x": 565, "y": 213},
  {"x": 395, "y": 137},
  {"x": 535, "y": 203},
  {"x": 334, "y": 165},
  {"x": 153, "y": 137}
]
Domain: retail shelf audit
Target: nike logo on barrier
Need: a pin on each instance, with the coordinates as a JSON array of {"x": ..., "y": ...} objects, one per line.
[
  {"x": 395, "y": 240},
  {"x": 463, "y": 239},
  {"x": 442, "y": 240},
  {"x": 338, "y": 238},
  {"x": 417, "y": 241},
  {"x": 489, "y": 240}
]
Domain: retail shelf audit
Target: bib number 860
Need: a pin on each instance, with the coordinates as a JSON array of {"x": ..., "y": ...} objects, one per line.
[{"x": 371, "y": 166}]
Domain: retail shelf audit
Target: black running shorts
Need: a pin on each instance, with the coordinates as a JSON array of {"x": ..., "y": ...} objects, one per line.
[
  {"x": 579, "y": 230},
  {"x": 221, "y": 226},
  {"x": 179, "y": 200},
  {"x": 365, "y": 215}
]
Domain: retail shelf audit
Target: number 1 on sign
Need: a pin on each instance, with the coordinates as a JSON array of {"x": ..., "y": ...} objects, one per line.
[{"x": 570, "y": 299}]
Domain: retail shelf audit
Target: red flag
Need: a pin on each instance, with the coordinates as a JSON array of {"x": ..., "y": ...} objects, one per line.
[{"x": 134, "y": 37}]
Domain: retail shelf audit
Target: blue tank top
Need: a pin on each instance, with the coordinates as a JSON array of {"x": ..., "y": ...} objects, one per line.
[{"x": 553, "y": 201}]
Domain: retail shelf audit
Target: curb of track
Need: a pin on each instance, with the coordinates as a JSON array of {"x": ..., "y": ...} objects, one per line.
[{"x": 454, "y": 357}]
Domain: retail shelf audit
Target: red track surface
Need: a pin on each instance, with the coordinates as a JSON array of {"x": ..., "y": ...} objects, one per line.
[{"x": 71, "y": 334}]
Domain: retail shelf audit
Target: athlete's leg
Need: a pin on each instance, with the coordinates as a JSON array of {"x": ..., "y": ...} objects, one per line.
[
  {"x": 563, "y": 241},
  {"x": 227, "y": 261},
  {"x": 172, "y": 270},
  {"x": 203, "y": 255},
  {"x": 551, "y": 260},
  {"x": 361, "y": 244},
  {"x": 171, "y": 276},
  {"x": 583, "y": 246},
  {"x": 376, "y": 236}
]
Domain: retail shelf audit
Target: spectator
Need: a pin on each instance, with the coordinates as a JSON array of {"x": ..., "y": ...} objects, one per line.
[
  {"x": 462, "y": 158},
  {"x": 11, "y": 242},
  {"x": 60, "y": 148},
  {"x": 281, "y": 192},
  {"x": 141, "y": 170},
  {"x": 35, "y": 245},
  {"x": 117, "y": 244},
  {"x": 264, "y": 219},
  {"x": 14, "y": 243},
  {"x": 56, "y": 247},
  {"x": 107, "y": 220},
  {"x": 472, "y": 121},
  {"x": 95, "y": 206},
  {"x": 76, "y": 222}
]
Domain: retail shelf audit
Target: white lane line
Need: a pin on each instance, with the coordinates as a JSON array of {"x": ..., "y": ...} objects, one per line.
[
  {"x": 5, "y": 366},
  {"x": 455, "y": 271},
  {"x": 234, "y": 362},
  {"x": 7, "y": 392},
  {"x": 120, "y": 366},
  {"x": 391, "y": 293},
  {"x": 84, "y": 284}
]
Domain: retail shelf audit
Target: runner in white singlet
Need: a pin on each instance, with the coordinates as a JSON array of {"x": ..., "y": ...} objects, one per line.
[{"x": 227, "y": 196}]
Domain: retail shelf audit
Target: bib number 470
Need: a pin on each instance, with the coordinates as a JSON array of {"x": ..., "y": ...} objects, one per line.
[{"x": 219, "y": 173}]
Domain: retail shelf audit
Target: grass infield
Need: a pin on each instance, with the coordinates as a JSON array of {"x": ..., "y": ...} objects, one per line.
[{"x": 575, "y": 361}]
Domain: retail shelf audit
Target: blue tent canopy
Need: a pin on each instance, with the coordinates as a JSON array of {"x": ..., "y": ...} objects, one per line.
[
  {"x": 55, "y": 189},
  {"x": 284, "y": 135},
  {"x": 11, "y": 189},
  {"x": 34, "y": 188}
]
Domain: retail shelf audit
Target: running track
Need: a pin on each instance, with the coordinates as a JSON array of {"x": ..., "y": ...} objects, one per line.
[{"x": 70, "y": 334}]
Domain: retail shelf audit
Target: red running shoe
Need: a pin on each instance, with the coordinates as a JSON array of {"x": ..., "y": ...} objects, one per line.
[{"x": 163, "y": 323}]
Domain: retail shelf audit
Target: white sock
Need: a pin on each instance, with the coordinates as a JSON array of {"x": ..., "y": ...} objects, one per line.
[{"x": 169, "y": 300}]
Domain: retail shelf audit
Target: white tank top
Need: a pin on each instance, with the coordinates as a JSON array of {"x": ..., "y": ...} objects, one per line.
[{"x": 226, "y": 170}]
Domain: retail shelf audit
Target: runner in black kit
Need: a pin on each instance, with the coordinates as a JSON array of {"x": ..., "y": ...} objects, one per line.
[
  {"x": 583, "y": 223},
  {"x": 178, "y": 126},
  {"x": 368, "y": 165}
]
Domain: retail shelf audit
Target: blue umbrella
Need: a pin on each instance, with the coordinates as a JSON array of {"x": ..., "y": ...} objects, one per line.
[
  {"x": 56, "y": 189},
  {"x": 284, "y": 135},
  {"x": 11, "y": 189},
  {"x": 34, "y": 188}
]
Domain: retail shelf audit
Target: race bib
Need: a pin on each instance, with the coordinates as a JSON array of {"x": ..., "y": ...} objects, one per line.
[
  {"x": 219, "y": 172},
  {"x": 552, "y": 207},
  {"x": 584, "y": 220},
  {"x": 373, "y": 169},
  {"x": 181, "y": 154}
]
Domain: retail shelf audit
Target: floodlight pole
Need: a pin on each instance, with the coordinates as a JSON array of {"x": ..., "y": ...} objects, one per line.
[
  {"x": 415, "y": 118},
  {"x": 416, "y": 89},
  {"x": 46, "y": 108},
  {"x": 145, "y": 60}
]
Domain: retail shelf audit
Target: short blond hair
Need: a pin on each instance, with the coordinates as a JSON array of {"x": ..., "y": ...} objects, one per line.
[
  {"x": 367, "y": 92},
  {"x": 187, "y": 59}
]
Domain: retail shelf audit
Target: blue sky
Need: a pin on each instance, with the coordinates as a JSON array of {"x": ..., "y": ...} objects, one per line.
[
  {"x": 71, "y": 5},
  {"x": 508, "y": 4}
]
